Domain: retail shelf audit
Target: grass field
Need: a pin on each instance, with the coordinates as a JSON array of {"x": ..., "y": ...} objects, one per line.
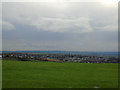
[{"x": 18, "y": 74}]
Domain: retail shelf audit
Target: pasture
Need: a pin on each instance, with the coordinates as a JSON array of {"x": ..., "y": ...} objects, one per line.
[{"x": 21, "y": 74}]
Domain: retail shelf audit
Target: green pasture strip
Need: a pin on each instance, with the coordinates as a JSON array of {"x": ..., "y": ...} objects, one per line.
[
  {"x": 23, "y": 74},
  {"x": 40, "y": 53}
]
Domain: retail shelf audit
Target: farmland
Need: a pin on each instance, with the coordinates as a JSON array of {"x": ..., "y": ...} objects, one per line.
[{"x": 21, "y": 74}]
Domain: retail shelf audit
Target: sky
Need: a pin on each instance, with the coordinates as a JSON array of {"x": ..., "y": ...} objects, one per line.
[{"x": 68, "y": 26}]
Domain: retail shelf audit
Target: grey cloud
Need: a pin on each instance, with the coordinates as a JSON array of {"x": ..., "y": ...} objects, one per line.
[
  {"x": 70, "y": 26},
  {"x": 7, "y": 25},
  {"x": 46, "y": 17},
  {"x": 64, "y": 25}
]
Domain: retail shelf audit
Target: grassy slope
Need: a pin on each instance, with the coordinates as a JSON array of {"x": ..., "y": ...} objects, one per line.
[{"x": 18, "y": 74}]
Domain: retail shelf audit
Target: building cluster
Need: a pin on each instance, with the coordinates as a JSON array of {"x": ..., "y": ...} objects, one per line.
[{"x": 59, "y": 58}]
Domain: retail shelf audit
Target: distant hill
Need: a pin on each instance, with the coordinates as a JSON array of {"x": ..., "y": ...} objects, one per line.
[{"x": 71, "y": 52}]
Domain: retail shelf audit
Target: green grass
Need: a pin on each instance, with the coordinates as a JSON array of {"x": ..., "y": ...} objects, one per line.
[
  {"x": 20, "y": 74},
  {"x": 40, "y": 53}
]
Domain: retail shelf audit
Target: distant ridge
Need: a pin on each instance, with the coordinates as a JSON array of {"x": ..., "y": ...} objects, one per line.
[{"x": 71, "y": 52}]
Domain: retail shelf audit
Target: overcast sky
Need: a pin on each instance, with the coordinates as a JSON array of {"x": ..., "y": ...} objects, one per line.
[{"x": 72, "y": 26}]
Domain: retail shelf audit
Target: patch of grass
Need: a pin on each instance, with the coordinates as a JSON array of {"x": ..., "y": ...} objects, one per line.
[
  {"x": 40, "y": 53},
  {"x": 18, "y": 74}
]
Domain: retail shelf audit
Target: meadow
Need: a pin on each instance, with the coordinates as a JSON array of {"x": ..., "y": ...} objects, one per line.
[{"x": 24, "y": 74}]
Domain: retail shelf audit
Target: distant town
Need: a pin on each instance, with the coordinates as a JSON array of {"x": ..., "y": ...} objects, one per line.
[{"x": 62, "y": 58}]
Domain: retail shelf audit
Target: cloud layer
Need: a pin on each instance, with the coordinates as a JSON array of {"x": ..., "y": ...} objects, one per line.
[{"x": 59, "y": 26}]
